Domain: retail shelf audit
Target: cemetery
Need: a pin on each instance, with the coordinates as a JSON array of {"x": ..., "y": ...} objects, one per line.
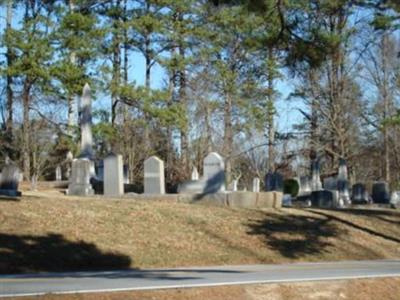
[{"x": 144, "y": 136}]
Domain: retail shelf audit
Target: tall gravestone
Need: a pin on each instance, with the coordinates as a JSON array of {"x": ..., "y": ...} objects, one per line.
[
  {"x": 381, "y": 192},
  {"x": 154, "y": 178},
  {"x": 316, "y": 184},
  {"x": 9, "y": 179},
  {"x": 343, "y": 182},
  {"x": 113, "y": 175},
  {"x": 195, "y": 174},
  {"x": 86, "y": 124},
  {"x": 83, "y": 167},
  {"x": 256, "y": 185},
  {"x": 58, "y": 173}
]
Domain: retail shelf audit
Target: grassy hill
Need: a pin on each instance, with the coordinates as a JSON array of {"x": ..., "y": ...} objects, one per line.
[{"x": 52, "y": 232}]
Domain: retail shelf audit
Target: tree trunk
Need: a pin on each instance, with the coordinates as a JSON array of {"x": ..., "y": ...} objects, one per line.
[
  {"x": 9, "y": 91},
  {"x": 26, "y": 131},
  {"x": 270, "y": 115},
  {"x": 386, "y": 104},
  {"x": 116, "y": 75},
  {"x": 228, "y": 136},
  {"x": 72, "y": 103},
  {"x": 184, "y": 127}
]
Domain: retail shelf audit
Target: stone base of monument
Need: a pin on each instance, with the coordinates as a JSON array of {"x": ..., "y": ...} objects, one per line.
[
  {"x": 236, "y": 199},
  {"x": 80, "y": 178},
  {"x": 10, "y": 193}
]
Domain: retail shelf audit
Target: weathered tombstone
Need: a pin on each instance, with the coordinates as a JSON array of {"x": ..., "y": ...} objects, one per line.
[
  {"x": 304, "y": 186},
  {"x": 380, "y": 192},
  {"x": 256, "y": 185},
  {"x": 214, "y": 173},
  {"x": 9, "y": 179},
  {"x": 113, "y": 175},
  {"x": 126, "y": 174},
  {"x": 195, "y": 174},
  {"x": 86, "y": 123},
  {"x": 395, "y": 199},
  {"x": 359, "y": 194},
  {"x": 154, "y": 178},
  {"x": 233, "y": 185},
  {"x": 58, "y": 173},
  {"x": 80, "y": 178},
  {"x": 330, "y": 184},
  {"x": 100, "y": 170},
  {"x": 316, "y": 184},
  {"x": 273, "y": 182},
  {"x": 323, "y": 199},
  {"x": 342, "y": 172}
]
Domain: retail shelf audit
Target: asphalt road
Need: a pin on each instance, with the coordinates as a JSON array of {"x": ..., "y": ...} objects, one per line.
[{"x": 83, "y": 282}]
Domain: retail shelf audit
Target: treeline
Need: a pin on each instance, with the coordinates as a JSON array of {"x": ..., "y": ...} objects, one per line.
[{"x": 222, "y": 61}]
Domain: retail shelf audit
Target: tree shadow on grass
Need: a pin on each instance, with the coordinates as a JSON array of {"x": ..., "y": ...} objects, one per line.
[
  {"x": 54, "y": 253},
  {"x": 295, "y": 236}
]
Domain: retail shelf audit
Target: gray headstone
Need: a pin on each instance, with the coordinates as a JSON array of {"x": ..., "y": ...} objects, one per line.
[
  {"x": 9, "y": 179},
  {"x": 86, "y": 123},
  {"x": 342, "y": 173},
  {"x": 359, "y": 194},
  {"x": 195, "y": 174},
  {"x": 113, "y": 175},
  {"x": 58, "y": 173},
  {"x": 395, "y": 199},
  {"x": 126, "y": 174},
  {"x": 233, "y": 185},
  {"x": 154, "y": 181},
  {"x": 273, "y": 181},
  {"x": 256, "y": 185},
  {"x": 316, "y": 184},
  {"x": 214, "y": 173},
  {"x": 323, "y": 199},
  {"x": 330, "y": 184},
  {"x": 380, "y": 192},
  {"x": 79, "y": 183},
  {"x": 213, "y": 164},
  {"x": 304, "y": 186}
]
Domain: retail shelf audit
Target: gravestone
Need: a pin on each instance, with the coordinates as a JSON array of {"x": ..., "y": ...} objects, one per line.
[
  {"x": 58, "y": 173},
  {"x": 316, "y": 184},
  {"x": 9, "y": 180},
  {"x": 233, "y": 185},
  {"x": 195, "y": 174},
  {"x": 359, "y": 194},
  {"x": 304, "y": 186},
  {"x": 322, "y": 199},
  {"x": 85, "y": 115},
  {"x": 380, "y": 192},
  {"x": 273, "y": 181},
  {"x": 330, "y": 184},
  {"x": 214, "y": 173},
  {"x": 126, "y": 174},
  {"x": 113, "y": 175},
  {"x": 256, "y": 185},
  {"x": 154, "y": 178},
  {"x": 80, "y": 178},
  {"x": 343, "y": 182},
  {"x": 395, "y": 199}
]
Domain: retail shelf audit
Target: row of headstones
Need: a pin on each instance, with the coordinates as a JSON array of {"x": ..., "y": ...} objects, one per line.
[{"x": 212, "y": 181}]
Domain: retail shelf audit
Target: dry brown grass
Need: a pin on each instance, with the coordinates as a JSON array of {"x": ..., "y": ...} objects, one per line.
[
  {"x": 52, "y": 232},
  {"x": 362, "y": 289}
]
